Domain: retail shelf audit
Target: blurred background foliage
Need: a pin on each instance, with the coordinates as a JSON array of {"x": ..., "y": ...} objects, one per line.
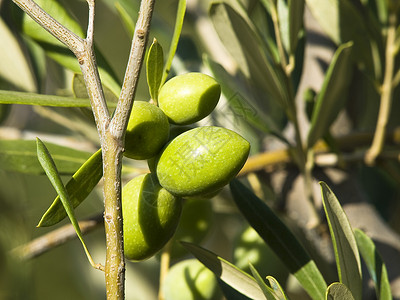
[{"x": 281, "y": 91}]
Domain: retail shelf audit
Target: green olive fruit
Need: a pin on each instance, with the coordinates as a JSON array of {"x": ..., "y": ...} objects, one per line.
[
  {"x": 196, "y": 222},
  {"x": 201, "y": 161},
  {"x": 151, "y": 215},
  {"x": 250, "y": 247},
  {"x": 188, "y": 98},
  {"x": 190, "y": 280},
  {"x": 174, "y": 131},
  {"x": 147, "y": 131}
]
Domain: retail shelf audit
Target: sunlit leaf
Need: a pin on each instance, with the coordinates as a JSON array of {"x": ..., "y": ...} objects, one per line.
[
  {"x": 14, "y": 66},
  {"x": 276, "y": 287},
  {"x": 154, "y": 67},
  {"x": 376, "y": 267},
  {"x": 338, "y": 291},
  {"x": 175, "y": 39},
  {"x": 11, "y": 97},
  {"x": 269, "y": 293},
  {"x": 20, "y": 156},
  {"x": 280, "y": 239},
  {"x": 227, "y": 272},
  {"x": 344, "y": 243},
  {"x": 78, "y": 188},
  {"x": 233, "y": 30},
  {"x": 333, "y": 95}
]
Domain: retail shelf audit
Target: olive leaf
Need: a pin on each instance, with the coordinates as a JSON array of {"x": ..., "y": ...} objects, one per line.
[
  {"x": 20, "y": 156},
  {"x": 333, "y": 95},
  {"x": 232, "y": 29},
  {"x": 281, "y": 240},
  {"x": 338, "y": 291},
  {"x": 78, "y": 188},
  {"x": 51, "y": 171},
  {"x": 175, "y": 39},
  {"x": 12, "y": 97},
  {"x": 344, "y": 243},
  {"x": 227, "y": 272},
  {"x": 154, "y": 67},
  {"x": 290, "y": 14},
  {"x": 269, "y": 293},
  {"x": 376, "y": 267},
  {"x": 276, "y": 287}
]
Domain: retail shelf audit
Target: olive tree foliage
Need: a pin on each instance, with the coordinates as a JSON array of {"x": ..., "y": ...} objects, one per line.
[{"x": 340, "y": 128}]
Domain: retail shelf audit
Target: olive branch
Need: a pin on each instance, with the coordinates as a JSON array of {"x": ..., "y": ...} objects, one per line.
[{"x": 111, "y": 130}]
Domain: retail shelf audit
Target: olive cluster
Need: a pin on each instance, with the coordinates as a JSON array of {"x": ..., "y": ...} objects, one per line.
[{"x": 194, "y": 162}]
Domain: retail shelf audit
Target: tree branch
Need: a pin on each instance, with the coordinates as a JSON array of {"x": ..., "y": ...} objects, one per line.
[
  {"x": 140, "y": 37},
  {"x": 82, "y": 49},
  {"x": 56, "y": 238}
]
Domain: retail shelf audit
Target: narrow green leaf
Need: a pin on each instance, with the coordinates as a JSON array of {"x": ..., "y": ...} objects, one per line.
[
  {"x": 280, "y": 239},
  {"x": 333, "y": 95},
  {"x": 175, "y": 39},
  {"x": 20, "y": 156},
  {"x": 11, "y": 97},
  {"x": 154, "y": 67},
  {"x": 376, "y": 267},
  {"x": 296, "y": 14},
  {"x": 268, "y": 292},
  {"x": 233, "y": 29},
  {"x": 338, "y": 291},
  {"x": 344, "y": 243},
  {"x": 240, "y": 102},
  {"x": 226, "y": 271},
  {"x": 78, "y": 188},
  {"x": 276, "y": 287},
  {"x": 50, "y": 169}
]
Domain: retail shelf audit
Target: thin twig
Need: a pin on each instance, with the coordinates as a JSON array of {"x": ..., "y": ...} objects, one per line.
[
  {"x": 60, "y": 32},
  {"x": 386, "y": 95},
  {"x": 140, "y": 37},
  {"x": 56, "y": 238}
]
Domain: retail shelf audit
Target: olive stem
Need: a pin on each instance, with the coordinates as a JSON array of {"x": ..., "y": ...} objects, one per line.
[
  {"x": 56, "y": 238},
  {"x": 136, "y": 57},
  {"x": 386, "y": 94},
  {"x": 275, "y": 20},
  {"x": 164, "y": 267}
]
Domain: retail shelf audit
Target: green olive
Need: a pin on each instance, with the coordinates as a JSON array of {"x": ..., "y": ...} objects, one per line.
[
  {"x": 151, "y": 215},
  {"x": 147, "y": 131},
  {"x": 190, "y": 280},
  {"x": 201, "y": 161},
  {"x": 188, "y": 98}
]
